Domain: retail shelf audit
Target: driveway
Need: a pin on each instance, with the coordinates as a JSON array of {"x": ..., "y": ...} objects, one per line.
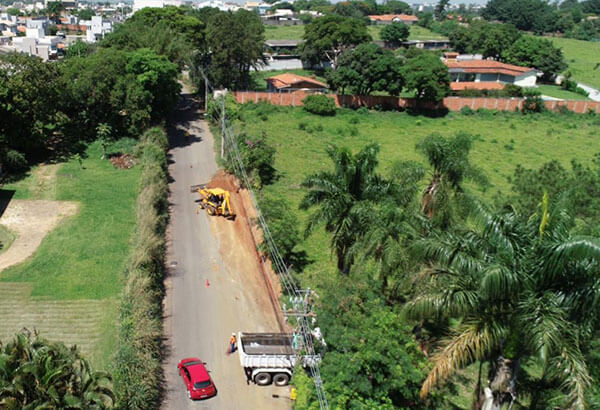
[{"x": 207, "y": 296}]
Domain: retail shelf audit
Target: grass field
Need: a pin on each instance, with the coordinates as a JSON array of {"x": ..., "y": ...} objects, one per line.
[
  {"x": 503, "y": 141},
  {"x": 557, "y": 92},
  {"x": 583, "y": 58},
  {"x": 69, "y": 287},
  {"x": 296, "y": 32}
]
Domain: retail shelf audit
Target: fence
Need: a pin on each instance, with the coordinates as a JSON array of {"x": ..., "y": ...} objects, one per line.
[{"x": 394, "y": 103}]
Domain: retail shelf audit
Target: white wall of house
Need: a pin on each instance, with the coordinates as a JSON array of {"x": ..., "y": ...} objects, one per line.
[{"x": 526, "y": 80}]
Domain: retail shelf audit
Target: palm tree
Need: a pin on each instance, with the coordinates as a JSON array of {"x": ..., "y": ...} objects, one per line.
[
  {"x": 344, "y": 198},
  {"x": 449, "y": 159},
  {"x": 395, "y": 223},
  {"x": 35, "y": 373},
  {"x": 518, "y": 290}
]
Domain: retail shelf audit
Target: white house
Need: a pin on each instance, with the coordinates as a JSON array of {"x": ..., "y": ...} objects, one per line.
[
  {"x": 487, "y": 72},
  {"x": 257, "y": 6},
  {"x": 35, "y": 43},
  {"x": 97, "y": 28}
]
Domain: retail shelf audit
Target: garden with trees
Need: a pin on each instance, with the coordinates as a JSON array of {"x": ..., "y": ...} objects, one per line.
[{"x": 452, "y": 258}]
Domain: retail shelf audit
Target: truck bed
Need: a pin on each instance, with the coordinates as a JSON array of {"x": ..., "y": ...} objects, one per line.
[{"x": 267, "y": 343}]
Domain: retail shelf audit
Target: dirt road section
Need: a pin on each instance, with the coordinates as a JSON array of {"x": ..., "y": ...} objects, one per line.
[
  {"x": 214, "y": 286},
  {"x": 31, "y": 220}
]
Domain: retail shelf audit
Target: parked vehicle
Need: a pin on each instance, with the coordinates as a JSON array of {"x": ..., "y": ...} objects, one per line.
[
  {"x": 270, "y": 357},
  {"x": 197, "y": 381}
]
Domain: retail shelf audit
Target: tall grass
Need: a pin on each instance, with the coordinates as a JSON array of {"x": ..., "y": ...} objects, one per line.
[{"x": 138, "y": 373}]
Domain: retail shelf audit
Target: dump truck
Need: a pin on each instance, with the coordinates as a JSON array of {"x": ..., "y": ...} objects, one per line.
[
  {"x": 271, "y": 357},
  {"x": 215, "y": 200}
]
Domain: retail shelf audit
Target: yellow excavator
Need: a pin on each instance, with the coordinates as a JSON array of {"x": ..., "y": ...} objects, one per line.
[{"x": 215, "y": 201}]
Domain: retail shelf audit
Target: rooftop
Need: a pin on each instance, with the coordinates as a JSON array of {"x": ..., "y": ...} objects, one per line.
[
  {"x": 392, "y": 17},
  {"x": 486, "y": 66},
  {"x": 288, "y": 79}
]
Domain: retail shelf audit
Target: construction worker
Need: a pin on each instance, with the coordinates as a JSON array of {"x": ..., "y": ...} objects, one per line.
[{"x": 232, "y": 342}]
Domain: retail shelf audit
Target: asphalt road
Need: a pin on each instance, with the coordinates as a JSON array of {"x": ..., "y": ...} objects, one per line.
[{"x": 199, "y": 315}]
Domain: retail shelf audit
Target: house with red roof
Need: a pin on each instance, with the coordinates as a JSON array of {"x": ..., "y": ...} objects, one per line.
[
  {"x": 393, "y": 18},
  {"x": 288, "y": 82},
  {"x": 479, "y": 74}
]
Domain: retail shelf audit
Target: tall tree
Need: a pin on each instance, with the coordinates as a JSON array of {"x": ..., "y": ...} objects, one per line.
[
  {"x": 236, "y": 45},
  {"x": 440, "y": 9},
  {"x": 395, "y": 33},
  {"x": 365, "y": 69},
  {"x": 35, "y": 373},
  {"x": 427, "y": 76},
  {"x": 538, "y": 53},
  {"x": 326, "y": 38},
  {"x": 449, "y": 159},
  {"x": 518, "y": 289},
  {"x": 343, "y": 198}
]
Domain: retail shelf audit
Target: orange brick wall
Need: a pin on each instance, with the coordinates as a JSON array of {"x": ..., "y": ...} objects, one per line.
[{"x": 391, "y": 103}]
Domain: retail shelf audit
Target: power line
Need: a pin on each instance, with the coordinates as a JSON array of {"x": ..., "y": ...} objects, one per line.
[{"x": 230, "y": 149}]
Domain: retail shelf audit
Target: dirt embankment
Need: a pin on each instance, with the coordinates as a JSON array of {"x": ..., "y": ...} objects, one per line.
[{"x": 239, "y": 241}]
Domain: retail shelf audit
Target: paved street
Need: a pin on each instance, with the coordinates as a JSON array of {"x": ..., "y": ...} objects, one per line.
[{"x": 208, "y": 297}]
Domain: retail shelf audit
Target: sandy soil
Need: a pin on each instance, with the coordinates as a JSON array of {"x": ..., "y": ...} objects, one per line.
[
  {"x": 239, "y": 240},
  {"x": 31, "y": 220}
]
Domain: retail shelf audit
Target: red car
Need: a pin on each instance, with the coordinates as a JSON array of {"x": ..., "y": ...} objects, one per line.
[{"x": 196, "y": 378}]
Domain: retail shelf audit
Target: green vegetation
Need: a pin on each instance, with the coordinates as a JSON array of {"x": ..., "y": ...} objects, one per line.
[
  {"x": 83, "y": 258},
  {"x": 296, "y": 33},
  {"x": 6, "y": 238},
  {"x": 371, "y": 224},
  {"x": 505, "y": 141},
  {"x": 558, "y": 92},
  {"x": 582, "y": 57},
  {"x": 35, "y": 373},
  {"x": 137, "y": 360},
  {"x": 284, "y": 32}
]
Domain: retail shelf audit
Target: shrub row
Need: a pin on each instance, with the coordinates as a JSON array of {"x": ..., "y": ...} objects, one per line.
[{"x": 138, "y": 372}]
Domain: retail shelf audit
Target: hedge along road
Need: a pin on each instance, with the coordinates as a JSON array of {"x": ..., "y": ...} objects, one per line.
[{"x": 206, "y": 297}]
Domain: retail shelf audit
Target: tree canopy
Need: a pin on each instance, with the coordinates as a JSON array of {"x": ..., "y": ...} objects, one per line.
[
  {"x": 428, "y": 77},
  {"x": 538, "y": 53},
  {"x": 365, "y": 69},
  {"x": 395, "y": 33},
  {"x": 326, "y": 38}
]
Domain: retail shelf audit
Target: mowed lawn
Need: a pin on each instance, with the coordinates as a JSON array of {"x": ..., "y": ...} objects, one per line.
[
  {"x": 502, "y": 142},
  {"x": 583, "y": 58},
  {"x": 70, "y": 286},
  {"x": 296, "y": 32}
]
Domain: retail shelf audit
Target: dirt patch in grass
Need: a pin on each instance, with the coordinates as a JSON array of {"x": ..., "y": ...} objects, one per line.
[
  {"x": 31, "y": 220},
  {"x": 239, "y": 239}
]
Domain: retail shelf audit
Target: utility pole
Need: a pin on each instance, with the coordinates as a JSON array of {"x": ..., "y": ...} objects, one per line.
[{"x": 223, "y": 127}]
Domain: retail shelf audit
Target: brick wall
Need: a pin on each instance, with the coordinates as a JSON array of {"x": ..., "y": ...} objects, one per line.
[{"x": 391, "y": 103}]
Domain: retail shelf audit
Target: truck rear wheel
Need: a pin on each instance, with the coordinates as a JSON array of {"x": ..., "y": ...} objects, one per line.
[
  {"x": 262, "y": 379},
  {"x": 281, "y": 379}
]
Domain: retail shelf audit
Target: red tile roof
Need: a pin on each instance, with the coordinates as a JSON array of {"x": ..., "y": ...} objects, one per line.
[
  {"x": 487, "y": 66},
  {"x": 288, "y": 80},
  {"x": 482, "y": 85},
  {"x": 392, "y": 17}
]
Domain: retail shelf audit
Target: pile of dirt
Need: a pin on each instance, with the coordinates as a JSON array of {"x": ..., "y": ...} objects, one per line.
[
  {"x": 123, "y": 161},
  {"x": 240, "y": 239},
  {"x": 225, "y": 181}
]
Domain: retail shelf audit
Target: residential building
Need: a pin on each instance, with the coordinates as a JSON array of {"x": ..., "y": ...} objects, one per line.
[
  {"x": 36, "y": 43},
  {"x": 259, "y": 7},
  {"x": 97, "y": 28},
  {"x": 488, "y": 72},
  {"x": 288, "y": 82},
  {"x": 393, "y": 18}
]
